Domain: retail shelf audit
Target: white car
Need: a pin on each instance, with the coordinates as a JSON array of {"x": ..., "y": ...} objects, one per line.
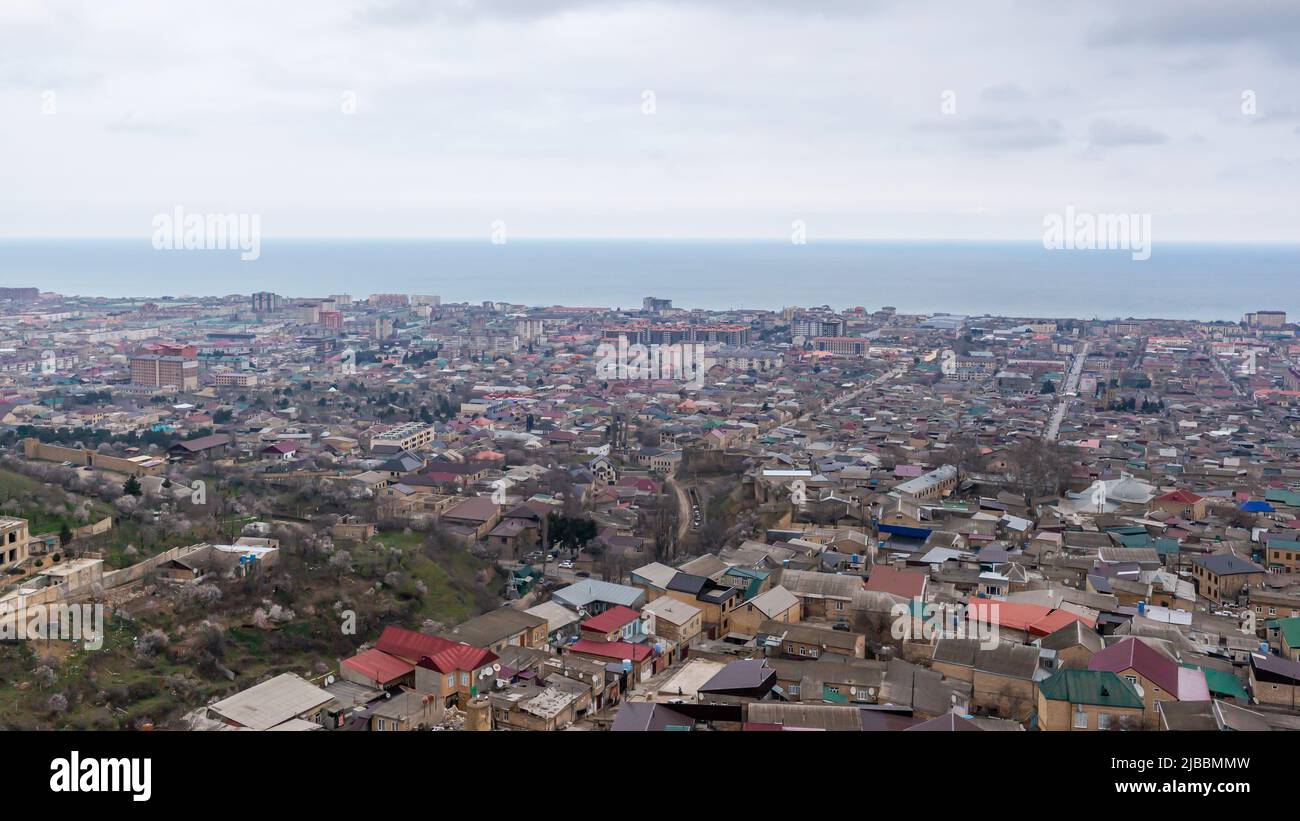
[{"x": 566, "y": 565}]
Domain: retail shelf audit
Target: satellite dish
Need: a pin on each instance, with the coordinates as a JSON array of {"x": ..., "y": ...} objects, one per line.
[
  {"x": 496, "y": 667},
  {"x": 853, "y": 691}
]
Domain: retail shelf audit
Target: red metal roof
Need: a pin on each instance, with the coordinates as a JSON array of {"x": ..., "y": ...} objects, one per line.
[
  {"x": 617, "y": 650},
  {"x": 458, "y": 657},
  {"x": 1132, "y": 654},
  {"x": 432, "y": 652},
  {"x": 1185, "y": 497},
  {"x": 379, "y": 666},
  {"x": 410, "y": 645},
  {"x": 1032, "y": 618},
  {"x": 885, "y": 579},
  {"x": 612, "y": 619}
]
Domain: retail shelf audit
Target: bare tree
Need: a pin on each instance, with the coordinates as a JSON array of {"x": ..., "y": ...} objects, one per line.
[{"x": 1039, "y": 467}]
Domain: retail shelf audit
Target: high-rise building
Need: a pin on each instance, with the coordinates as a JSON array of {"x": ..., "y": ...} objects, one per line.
[
  {"x": 308, "y": 313},
  {"x": 171, "y": 349},
  {"x": 847, "y": 345},
  {"x": 155, "y": 371},
  {"x": 265, "y": 302},
  {"x": 20, "y": 294},
  {"x": 814, "y": 325},
  {"x": 1266, "y": 319}
]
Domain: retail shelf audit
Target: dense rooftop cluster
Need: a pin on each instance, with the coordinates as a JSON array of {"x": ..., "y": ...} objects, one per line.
[{"x": 793, "y": 519}]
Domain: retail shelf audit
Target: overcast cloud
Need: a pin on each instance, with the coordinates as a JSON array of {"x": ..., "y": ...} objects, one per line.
[{"x": 863, "y": 119}]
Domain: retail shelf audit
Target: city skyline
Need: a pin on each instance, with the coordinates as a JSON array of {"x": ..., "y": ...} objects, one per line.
[{"x": 455, "y": 369}]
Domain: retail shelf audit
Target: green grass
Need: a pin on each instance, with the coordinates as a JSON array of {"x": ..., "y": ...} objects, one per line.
[
  {"x": 15, "y": 484},
  {"x": 33, "y": 497}
]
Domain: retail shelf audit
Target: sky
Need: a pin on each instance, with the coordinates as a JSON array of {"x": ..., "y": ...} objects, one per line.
[{"x": 713, "y": 118}]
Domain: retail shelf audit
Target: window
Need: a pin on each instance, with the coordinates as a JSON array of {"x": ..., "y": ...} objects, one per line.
[
  {"x": 464, "y": 679},
  {"x": 1080, "y": 720},
  {"x": 1103, "y": 721},
  {"x": 1131, "y": 679},
  {"x": 451, "y": 681}
]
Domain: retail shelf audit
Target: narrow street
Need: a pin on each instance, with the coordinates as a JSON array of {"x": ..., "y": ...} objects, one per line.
[{"x": 1071, "y": 386}]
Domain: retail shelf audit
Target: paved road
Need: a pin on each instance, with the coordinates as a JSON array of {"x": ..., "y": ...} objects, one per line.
[
  {"x": 1230, "y": 377},
  {"x": 1071, "y": 385},
  {"x": 849, "y": 397},
  {"x": 683, "y": 512}
]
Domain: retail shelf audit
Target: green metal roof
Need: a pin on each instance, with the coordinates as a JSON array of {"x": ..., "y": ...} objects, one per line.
[
  {"x": 1290, "y": 631},
  {"x": 1134, "y": 540},
  {"x": 1287, "y": 497},
  {"x": 1128, "y": 530},
  {"x": 1220, "y": 682},
  {"x": 746, "y": 572},
  {"x": 1166, "y": 547},
  {"x": 1099, "y": 687},
  {"x": 833, "y": 697},
  {"x": 756, "y": 579}
]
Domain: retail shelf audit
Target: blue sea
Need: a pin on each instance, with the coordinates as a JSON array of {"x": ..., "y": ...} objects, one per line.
[{"x": 1179, "y": 281}]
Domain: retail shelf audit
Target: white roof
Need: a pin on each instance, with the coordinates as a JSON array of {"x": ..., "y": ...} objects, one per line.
[
  {"x": 244, "y": 549},
  {"x": 686, "y": 682},
  {"x": 1168, "y": 615},
  {"x": 926, "y": 481},
  {"x": 671, "y": 610},
  {"x": 939, "y": 555},
  {"x": 557, "y": 615},
  {"x": 656, "y": 573},
  {"x": 774, "y": 602},
  {"x": 295, "y": 724},
  {"x": 272, "y": 702}
]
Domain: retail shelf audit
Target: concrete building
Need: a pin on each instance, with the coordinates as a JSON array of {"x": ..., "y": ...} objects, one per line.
[
  {"x": 153, "y": 371},
  {"x": 14, "y": 537}
]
